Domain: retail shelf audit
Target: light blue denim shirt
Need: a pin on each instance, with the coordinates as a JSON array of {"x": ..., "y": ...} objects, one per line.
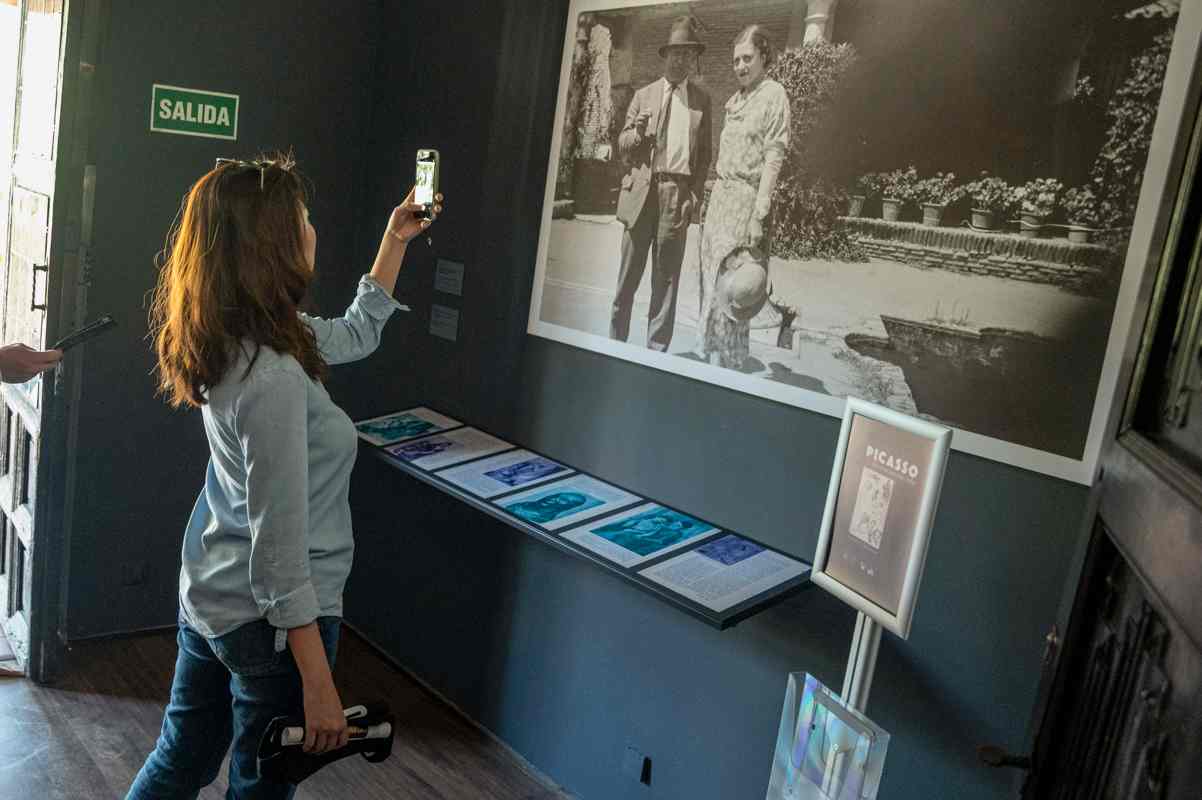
[{"x": 270, "y": 535}]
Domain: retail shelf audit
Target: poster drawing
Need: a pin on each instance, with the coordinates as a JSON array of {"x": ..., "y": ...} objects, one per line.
[
  {"x": 651, "y": 531},
  {"x": 564, "y": 502},
  {"x": 872, "y": 507},
  {"x": 522, "y": 472},
  {"x": 877, "y": 509},
  {"x": 724, "y": 572},
  {"x": 640, "y": 534},
  {"x": 503, "y": 473},
  {"x": 403, "y": 425},
  {"x": 553, "y": 505},
  {"x": 421, "y": 449},
  {"x": 934, "y": 207},
  {"x": 447, "y": 449},
  {"x": 730, "y": 549}
]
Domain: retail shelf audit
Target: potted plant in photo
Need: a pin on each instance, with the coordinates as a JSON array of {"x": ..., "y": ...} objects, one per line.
[
  {"x": 935, "y": 194},
  {"x": 1081, "y": 211},
  {"x": 868, "y": 186},
  {"x": 1036, "y": 200},
  {"x": 990, "y": 199},
  {"x": 897, "y": 190}
]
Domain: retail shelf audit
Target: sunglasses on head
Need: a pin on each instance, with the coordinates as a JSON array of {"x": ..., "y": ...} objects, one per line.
[{"x": 260, "y": 165}]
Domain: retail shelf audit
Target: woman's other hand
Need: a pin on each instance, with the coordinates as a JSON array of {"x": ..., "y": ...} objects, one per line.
[
  {"x": 325, "y": 721},
  {"x": 405, "y": 224},
  {"x": 755, "y": 232}
]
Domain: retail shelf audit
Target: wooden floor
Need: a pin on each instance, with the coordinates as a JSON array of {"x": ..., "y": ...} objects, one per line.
[{"x": 87, "y": 736}]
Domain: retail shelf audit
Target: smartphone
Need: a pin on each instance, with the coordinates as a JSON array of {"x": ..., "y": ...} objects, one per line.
[
  {"x": 426, "y": 185},
  {"x": 86, "y": 332}
]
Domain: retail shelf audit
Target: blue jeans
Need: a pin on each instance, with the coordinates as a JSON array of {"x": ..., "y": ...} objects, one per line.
[{"x": 225, "y": 690}]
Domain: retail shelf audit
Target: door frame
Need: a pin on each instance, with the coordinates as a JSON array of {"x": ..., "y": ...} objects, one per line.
[{"x": 70, "y": 237}]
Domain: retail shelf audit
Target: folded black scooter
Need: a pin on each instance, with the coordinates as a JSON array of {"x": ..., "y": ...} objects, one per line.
[{"x": 282, "y": 758}]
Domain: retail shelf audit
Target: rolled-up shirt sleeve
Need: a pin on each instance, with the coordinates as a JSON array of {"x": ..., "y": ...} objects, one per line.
[
  {"x": 356, "y": 334},
  {"x": 271, "y": 420}
]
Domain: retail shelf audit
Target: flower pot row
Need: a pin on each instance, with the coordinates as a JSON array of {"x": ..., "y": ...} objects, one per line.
[
  {"x": 990, "y": 199},
  {"x": 1029, "y": 225},
  {"x": 891, "y": 209}
]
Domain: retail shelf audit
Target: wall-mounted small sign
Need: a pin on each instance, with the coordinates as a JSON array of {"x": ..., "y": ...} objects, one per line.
[
  {"x": 444, "y": 322},
  {"x": 448, "y": 277},
  {"x": 193, "y": 112}
]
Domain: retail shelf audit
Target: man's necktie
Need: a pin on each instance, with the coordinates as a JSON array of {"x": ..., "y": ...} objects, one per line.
[{"x": 661, "y": 136}]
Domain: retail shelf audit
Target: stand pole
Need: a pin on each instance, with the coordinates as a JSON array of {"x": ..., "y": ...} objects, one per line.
[
  {"x": 861, "y": 662},
  {"x": 852, "y": 656},
  {"x": 857, "y": 681}
]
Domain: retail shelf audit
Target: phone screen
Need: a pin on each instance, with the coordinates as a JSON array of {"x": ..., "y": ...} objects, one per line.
[{"x": 425, "y": 183}]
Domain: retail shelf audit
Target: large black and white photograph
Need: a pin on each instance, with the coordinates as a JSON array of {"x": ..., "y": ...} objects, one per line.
[{"x": 940, "y": 207}]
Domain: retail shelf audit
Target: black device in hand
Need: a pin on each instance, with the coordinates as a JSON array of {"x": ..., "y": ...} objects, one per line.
[{"x": 86, "y": 332}]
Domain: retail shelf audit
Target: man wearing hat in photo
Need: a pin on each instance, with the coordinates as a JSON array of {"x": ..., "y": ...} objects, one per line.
[{"x": 666, "y": 145}]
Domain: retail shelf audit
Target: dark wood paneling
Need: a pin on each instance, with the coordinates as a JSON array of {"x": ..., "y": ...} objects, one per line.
[
  {"x": 1153, "y": 506},
  {"x": 1125, "y": 721}
]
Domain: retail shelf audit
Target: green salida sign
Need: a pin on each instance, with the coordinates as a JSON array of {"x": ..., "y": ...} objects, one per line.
[{"x": 193, "y": 112}]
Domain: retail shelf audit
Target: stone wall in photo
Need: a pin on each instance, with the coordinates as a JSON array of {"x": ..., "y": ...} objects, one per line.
[{"x": 1083, "y": 268}]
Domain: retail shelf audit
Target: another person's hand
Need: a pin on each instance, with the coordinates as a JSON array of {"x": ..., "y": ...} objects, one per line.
[
  {"x": 405, "y": 224},
  {"x": 19, "y": 363},
  {"x": 325, "y": 721}
]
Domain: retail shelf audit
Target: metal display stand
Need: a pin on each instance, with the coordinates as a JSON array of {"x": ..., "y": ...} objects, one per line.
[
  {"x": 861, "y": 662},
  {"x": 881, "y": 455},
  {"x": 857, "y": 682}
]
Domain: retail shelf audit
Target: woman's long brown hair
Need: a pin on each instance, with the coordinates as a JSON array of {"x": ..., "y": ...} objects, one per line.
[{"x": 234, "y": 273}]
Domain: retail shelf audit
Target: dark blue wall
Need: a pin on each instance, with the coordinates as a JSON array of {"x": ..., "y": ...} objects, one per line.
[
  {"x": 569, "y": 664},
  {"x": 305, "y": 80}
]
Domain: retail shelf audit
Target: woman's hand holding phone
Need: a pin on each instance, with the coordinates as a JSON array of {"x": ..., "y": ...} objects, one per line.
[{"x": 407, "y": 222}]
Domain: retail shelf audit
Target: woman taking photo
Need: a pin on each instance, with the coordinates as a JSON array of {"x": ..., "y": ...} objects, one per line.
[
  {"x": 268, "y": 546},
  {"x": 755, "y": 138}
]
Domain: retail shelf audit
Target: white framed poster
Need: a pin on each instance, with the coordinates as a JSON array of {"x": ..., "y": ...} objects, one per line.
[
  {"x": 507, "y": 472},
  {"x": 880, "y": 507},
  {"x": 561, "y": 503},
  {"x": 402, "y": 425},
  {"x": 445, "y": 449},
  {"x": 782, "y": 285},
  {"x": 640, "y": 534}
]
